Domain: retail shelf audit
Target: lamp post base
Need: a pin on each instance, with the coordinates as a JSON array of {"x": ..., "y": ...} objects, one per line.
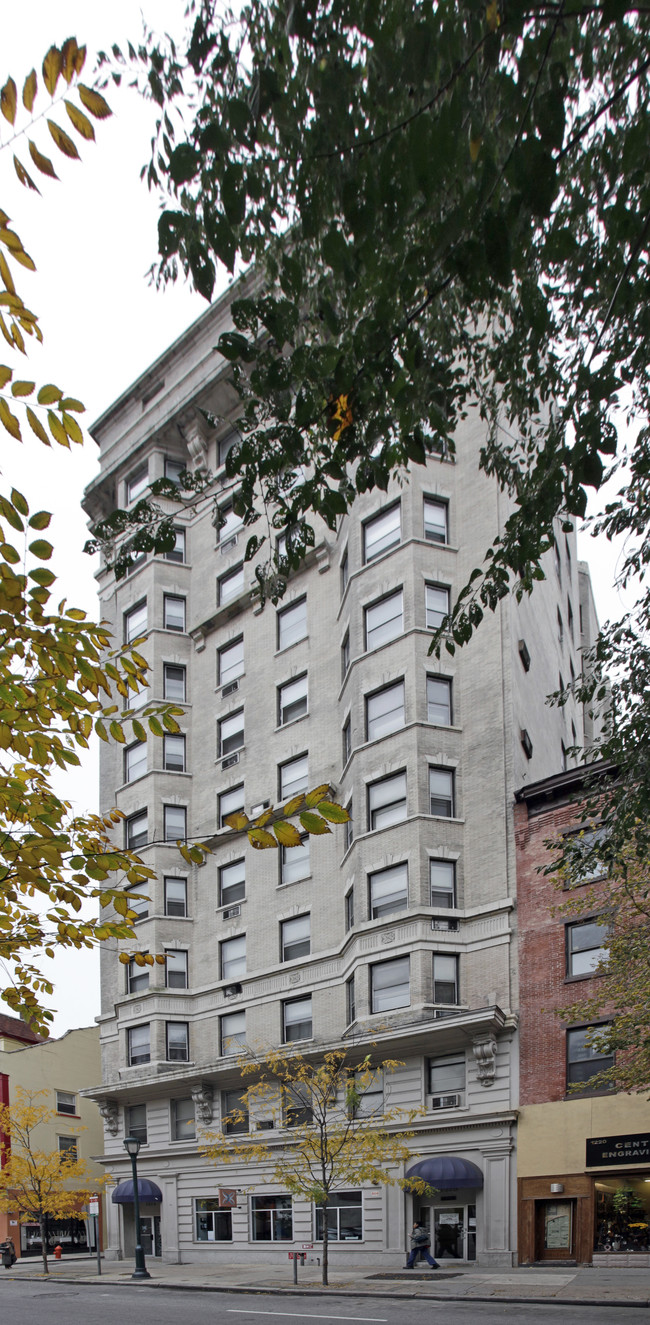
[{"x": 140, "y": 1273}]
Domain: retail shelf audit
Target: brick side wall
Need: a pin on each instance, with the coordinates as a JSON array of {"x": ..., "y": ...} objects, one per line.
[{"x": 542, "y": 957}]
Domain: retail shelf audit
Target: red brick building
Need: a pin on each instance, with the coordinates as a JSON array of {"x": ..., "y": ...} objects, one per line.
[{"x": 583, "y": 1160}]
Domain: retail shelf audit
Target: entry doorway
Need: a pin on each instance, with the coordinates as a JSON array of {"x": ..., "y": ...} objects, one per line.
[
  {"x": 150, "y": 1234},
  {"x": 555, "y": 1230},
  {"x": 453, "y": 1231}
]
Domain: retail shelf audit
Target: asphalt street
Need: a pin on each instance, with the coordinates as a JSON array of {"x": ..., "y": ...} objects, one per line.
[{"x": 64, "y": 1305}]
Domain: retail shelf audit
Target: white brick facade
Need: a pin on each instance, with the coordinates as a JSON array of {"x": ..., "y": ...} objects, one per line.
[{"x": 497, "y": 693}]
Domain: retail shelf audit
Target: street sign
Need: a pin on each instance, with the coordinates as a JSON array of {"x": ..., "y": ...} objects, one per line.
[
  {"x": 93, "y": 1206},
  {"x": 307, "y": 1246}
]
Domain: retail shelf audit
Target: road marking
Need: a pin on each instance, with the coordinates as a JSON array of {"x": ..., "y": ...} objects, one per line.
[{"x": 304, "y": 1315}]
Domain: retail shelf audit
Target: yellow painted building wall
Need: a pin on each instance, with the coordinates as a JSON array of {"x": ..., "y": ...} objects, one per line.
[
  {"x": 72, "y": 1064},
  {"x": 551, "y": 1137}
]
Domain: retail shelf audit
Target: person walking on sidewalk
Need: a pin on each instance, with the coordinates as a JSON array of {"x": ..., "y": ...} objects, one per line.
[{"x": 420, "y": 1244}]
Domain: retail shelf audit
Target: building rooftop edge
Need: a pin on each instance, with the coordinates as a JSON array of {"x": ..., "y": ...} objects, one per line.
[{"x": 560, "y": 784}]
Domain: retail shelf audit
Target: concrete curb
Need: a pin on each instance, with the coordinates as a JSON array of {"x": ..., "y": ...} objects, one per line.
[{"x": 332, "y": 1291}]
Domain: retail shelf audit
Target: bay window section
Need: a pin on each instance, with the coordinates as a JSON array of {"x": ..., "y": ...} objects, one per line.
[
  {"x": 389, "y": 891},
  {"x": 390, "y": 985},
  {"x": 385, "y": 711},
  {"x": 385, "y": 620},
  {"x": 387, "y": 801},
  {"x": 382, "y": 532},
  {"x": 296, "y": 1020}
]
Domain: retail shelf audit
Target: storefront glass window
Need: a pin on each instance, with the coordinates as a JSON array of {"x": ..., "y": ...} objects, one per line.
[{"x": 622, "y": 1214}]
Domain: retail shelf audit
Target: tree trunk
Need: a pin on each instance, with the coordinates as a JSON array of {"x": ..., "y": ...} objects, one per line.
[
  {"x": 43, "y": 1227},
  {"x": 325, "y": 1280}
]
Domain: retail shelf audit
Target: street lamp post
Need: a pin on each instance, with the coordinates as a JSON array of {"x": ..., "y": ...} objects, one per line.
[{"x": 132, "y": 1146}]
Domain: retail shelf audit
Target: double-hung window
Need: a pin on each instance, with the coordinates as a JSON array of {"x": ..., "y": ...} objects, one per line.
[
  {"x": 435, "y": 520},
  {"x": 136, "y": 831},
  {"x": 271, "y": 1219},
  {"x": 446, "y": 1077},
  {"x": 292, "y": 623},
  {"x": 389, "y": 891},
  {"x": 176, "y": 969},
  {"x": 292, "y": 700},
  {"x": 382, "y": 532},
  {"x": 174, "y": 823},
  {"x": 139, "y": 1045},
  {"x": 586, "y": 947},
  {"x": 174, "y": 612},
  {"x": 295, "y": 938},
  {"x": 385, "y": 620},
  {"x": 232, "y": 882},
  {"x": 437, "y": 605},
  {"x": 228, "y": 523},
  {"x": 439, "y": 708},
  {"x": 588, "y": 1053},
  {"x": 233, "y": 958},
  {"x": 231, "y": 733},
  {"x": 294, "y": 862},
  {"x": 68, "y": 1149},
  {"x": 230, "y": 802},
  {"x": 350, "y": 1000},
  {"x": 135, "y": 761},
  {"x": 294, "y": 777},
  {"x": 385, "y": 711},
  {"x": 233, "y": 1033},
  {"x": 296, "y": 1020},
  {"x": 445, "y": 978},
  {"x": 175, "y": 896},
  {"x": 230, "y": 662},
  {"x": 387, "y": 801},
  {"x": 66, "y": 1102},
  {"x": 174, "y": 753},
  {"x": 137, "y": 484},
  {"x": 441, "y": 792},
  {"x": 183, "y": 1122},
  {"x": 135, "y": 1122},
  {"x": 390, "y": 985},
  {"x": 140, "y": 904},
  {"x": 174, "y": 678},
  {"x": 174, "y": 469},
  {"x": 230, "y": 586},
  {"x": 443, "y": 882},
  {"x": 177, "y": 552},
  {"x": 135, "y": 622},
  {"x": 178, "y": 1041},
  {"x": 234, "y": 1113},
  {"x": 137, "y": 977}
]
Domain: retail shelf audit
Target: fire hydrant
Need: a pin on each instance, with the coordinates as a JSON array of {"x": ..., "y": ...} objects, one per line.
[{"x": 58, "y": 1252}]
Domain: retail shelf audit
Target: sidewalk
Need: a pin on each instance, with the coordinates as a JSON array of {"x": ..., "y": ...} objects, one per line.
[{"x": 584, "y": 1285}]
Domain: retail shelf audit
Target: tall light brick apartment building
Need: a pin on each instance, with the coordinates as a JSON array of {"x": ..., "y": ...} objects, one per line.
[{"x": 402, "y": 930}]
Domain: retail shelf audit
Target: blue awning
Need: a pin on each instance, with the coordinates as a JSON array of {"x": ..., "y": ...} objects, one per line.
[
  {"x": 447, "y": 1172},
  {"x": 147, "y": 1191}
]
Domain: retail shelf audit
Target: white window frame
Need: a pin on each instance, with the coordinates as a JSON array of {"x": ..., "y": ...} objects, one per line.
[
  {"x": 230, "y": 669},
  {"x": 295, "y": 934},
  {"x": 134, "y": 842},
  {"x": 172, "y": 882},
  {"x": 238, "y": 885},
  {"x": 437, "y": 796},
  {"x": 442, "y": 868},
  {"x": 62, "y": 1099},
  {"x": 137, "y": 978},
  {"x": 176, "y": 978},
  {"x": 230, "y": 585},
  {"x": 382, "y": 532},
  {"x": 135, "y": 761},
  {"x": 176, "y": 667},
  {"x": 179, "y": 1052},
  {"x": 293, "y": 777},
  {"x": 386, "y": 710},
  {"x": 232, "y": 958},
  {"x": 293, "y": 700},
  {"x": 177, "y": 553},
  {"x": 137, "y": 484},
  {"x": 234, "y": 795},
  {"x": 439, "y": 713},
  {"x": 136, "y": 622},
  {"x": 175, "y": 1122},
  {"x": 170, "y": 601},
  {"x": 231, "y": 733},
  {"x": 392, "y": 885},
  {"x": 144, "y": 1054},
  {"x": 432, "y": 528},
  {"x": 292, "y": 623},
  {"x": 437, "y": 602},
  {"x": 446, "y": 971},
  {"x": 232, "y": 1033},
  {"x": 397, "y": 993},
  {"x": 168, "y": 814},
  {"x": 390, "y": 805},
  {"x": 305, "y": 1023},
  {"x": 171, "y": 742},
  {"x": 295, "y": 867},
  {"x": 587, "y": 957},
  {"x": 380, "y": 627}
]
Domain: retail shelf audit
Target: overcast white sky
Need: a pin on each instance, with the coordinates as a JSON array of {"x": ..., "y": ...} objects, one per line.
[{"x": 93, "y": 238}]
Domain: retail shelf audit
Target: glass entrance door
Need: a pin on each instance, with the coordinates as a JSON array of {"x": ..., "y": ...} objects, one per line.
[
  {"x": 453, "y": 1232},
  {"x": 555, "y": 1230},
  {"x": 150, "y": 1233}
]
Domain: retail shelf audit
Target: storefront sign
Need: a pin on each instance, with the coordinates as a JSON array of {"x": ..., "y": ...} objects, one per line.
[
  {"x": 618, "y": 1150},
  {"x": 227, "y": 1198}
]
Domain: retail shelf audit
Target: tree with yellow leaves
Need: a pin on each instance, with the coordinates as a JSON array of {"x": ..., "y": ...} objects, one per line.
[
  {"x": 39, "y": 1184},
  {"x": 338, "y": 1132}
]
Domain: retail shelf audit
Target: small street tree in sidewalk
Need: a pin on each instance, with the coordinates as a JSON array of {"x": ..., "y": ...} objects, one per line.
[
  {"x": 38, "y": 1184},
  {"x": 338, "y": 1134}
]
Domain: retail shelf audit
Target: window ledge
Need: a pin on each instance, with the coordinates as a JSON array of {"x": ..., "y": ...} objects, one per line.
[
  {"x": 291, "y": 723},
  {"x": 291, "y": 882},
  {"x": 285, "y": 647},
  {"x": 588, "y": 975}
]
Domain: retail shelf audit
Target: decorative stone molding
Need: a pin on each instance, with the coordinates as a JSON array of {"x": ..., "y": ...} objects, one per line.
[
  {"x": 203, "y": 1098},
  {"x": 485, "y": 1052},
  {"x": 195, "y": 434},
  {"x": 110, "y": 1114}
]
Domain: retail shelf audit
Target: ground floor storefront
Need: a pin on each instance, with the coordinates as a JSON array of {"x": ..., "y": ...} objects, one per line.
[
  {"x": 599, "y": 1219},
  {"x": 196, "y": 1212}
]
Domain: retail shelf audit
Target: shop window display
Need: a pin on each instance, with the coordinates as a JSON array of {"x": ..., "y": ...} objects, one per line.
[{"x": 622, "y": 1215}]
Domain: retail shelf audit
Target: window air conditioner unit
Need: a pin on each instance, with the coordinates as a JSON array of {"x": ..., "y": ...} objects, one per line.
[
  {"x": 231, "y": 912},
  {"x": 229, "y": 689},
  {"x": 229, "y": 544},
  {"x": 445, "y": 1101},
  {"x": 259, "y": 809},
  {"x": 230, "y": 760},
  {"x": 446, "y": 1012},
  {"x": 439, "y": 922},
  {"x": 264, "y": 1125}
]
